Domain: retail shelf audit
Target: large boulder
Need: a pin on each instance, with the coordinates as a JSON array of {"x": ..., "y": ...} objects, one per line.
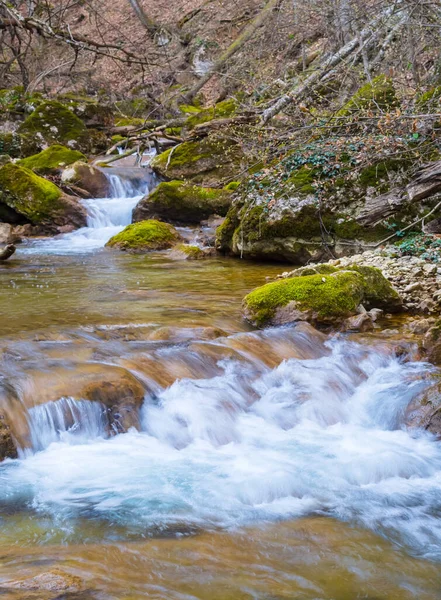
[
  {"x": 144, "y": 237},
  {"x": 53, "y": 123},
  {"x": 182, "y": 203},
  {"x": 325, "y": 298},
  {"x": 87, "y": 177},
  {"x": 51, "y": 160},
  {"x": 204, "y": 162},
  {"x": 37, "y": 200}
]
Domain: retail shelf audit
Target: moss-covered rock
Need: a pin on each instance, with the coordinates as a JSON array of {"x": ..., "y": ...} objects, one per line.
[
  {"x": 322, "y": 294},
  {"x": 145, "y": 236},
  {"x": 182, "y": 203},
  {"x": 38, "y": 200},
  {"x": 221, "y": 110},
  {"x": 424, "y": 412},
  {"x": 377, "y": 95},
  {"x": 18, "y": 145},
  {"x": 188, "y": 252},
  {"x": 204, "y": 162},
  {"x": 54, "y": 123},
  {"x": 317, "y": 298},
  {"x": 51, "y": 160}
]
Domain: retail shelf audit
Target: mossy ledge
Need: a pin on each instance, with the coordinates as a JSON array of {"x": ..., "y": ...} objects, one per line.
[
  {"x": 145, "y": 236},
  {"x": 54, "y": 123},
  {"x": 183, "y": 203},
  {"x": 52, "y": 159},
  {"x": 319, "y": 297}
]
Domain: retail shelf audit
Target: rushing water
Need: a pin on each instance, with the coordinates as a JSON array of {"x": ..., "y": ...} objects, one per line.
[{"x": 262, "y": 465}]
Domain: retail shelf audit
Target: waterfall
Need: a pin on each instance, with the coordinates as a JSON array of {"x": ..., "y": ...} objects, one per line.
[
  {"x": 68, "y": 420},
  {"x": 266, "y": 426},
  {"x": 105, "y": 216}
]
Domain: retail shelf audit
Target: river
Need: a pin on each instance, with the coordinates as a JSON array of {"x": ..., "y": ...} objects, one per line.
[{"x": 259, "y": 465}]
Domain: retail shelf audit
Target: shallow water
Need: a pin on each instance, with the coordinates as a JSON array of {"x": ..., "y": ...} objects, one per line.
[{"x": 263, "y": 465}]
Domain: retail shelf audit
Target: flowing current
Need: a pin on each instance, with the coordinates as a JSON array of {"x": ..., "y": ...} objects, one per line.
[{"x": 147, "y": 408}]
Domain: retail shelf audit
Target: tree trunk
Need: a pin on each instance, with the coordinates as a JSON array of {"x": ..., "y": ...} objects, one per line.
[
  {"x": 147, "y": 22},
  {"x": 234, "y": 47}
]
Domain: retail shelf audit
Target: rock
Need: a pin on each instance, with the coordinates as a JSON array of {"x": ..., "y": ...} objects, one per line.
[
  {"x": 121, "y": 395},
  {"x": 204, "y": 162},
  {"x": 88, "y": 178},
  {"x": 53, "y": 123},
  {"x": 51, "y": 160},
  {"x": 7, "y": 252},
  {"x": 430, "y": 269},
  {"x": 412, "y": 287},
  {"x": 223, "y": 109},
  {"x": 39, "y": 201},
  {"x": 54, "y": 580},
  {"x": 419, "y": 326},
  {"x": 375, "y": 314},
  {"x": 182, "y": 203},
  {"x": 145, "y": 236},
  {"x": 320, "y": 298},
  {"x": 361, "y": 323},
  {"x": 375, "y": 95},
  {"x": 7, "y": 234},
  {"x": 424, "y": 410},
  {"x": 316, "y": 298},
  {"x": 432, "y": 343},
  {"x": 187, "y": 252},
  {"x": 7, "y": 444}
]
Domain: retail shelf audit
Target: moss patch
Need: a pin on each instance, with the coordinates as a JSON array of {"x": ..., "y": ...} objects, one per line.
[
  {"x": 331, "y": 297},
  {"x": 221, "y": 110},
  {"x": 145, "y": 236},
  {"x": 30, "y": 195},
  {"x": 180, "y": 202},
  {"x": 374, "y": 96},
  {"x": 52, "y": 159},
  {"x": 190, "y": 252},
  {"x": 378, "y": 292},
  {"x": 55, "y": 123}
]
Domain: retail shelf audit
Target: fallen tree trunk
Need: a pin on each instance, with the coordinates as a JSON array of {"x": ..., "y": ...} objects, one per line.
[{"x": 7, "y": 252}]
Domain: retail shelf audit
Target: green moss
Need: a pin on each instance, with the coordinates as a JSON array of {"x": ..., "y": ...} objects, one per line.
[
  {"x": 129, "y": 122},
  {"x": 204, "y": 161},
  {"x": 144, "y": 236},
  {"x": 117, "y": 138},
  {"x": 54, "y": 122},
  {"x": 429, "y": 100},
  {"x": 51, "y": 159},
  {"x": 232, "y": 186},
  {"x": 25, "y": 192},
  {"x": 379, "y": 94},
  {"x": 17, "y": 145},
  {"x": 350, "y": 229},
  {"x": 189, "y": 109},
  {"x": 302, "y": 181},
  {"x": 224, "y": 109},
  {"x": 330, "y": 297},
  {"x": 374, "y": 174},
  {"x": 191, "y": 252},
  {"x": 378, "y": 292},
  {"x": 173, "y": 131},
  {"x": 179, "y": 202}
]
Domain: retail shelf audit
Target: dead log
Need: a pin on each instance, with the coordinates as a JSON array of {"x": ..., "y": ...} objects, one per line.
[
  {"x": 426, "y": 183},
  {"x": 382, "y": 207},
  {"x": 7, "y": 252}
]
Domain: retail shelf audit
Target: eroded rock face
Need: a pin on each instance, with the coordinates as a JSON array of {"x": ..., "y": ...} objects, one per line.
[
  {"x": 182, "y": 203},
  {"x": 424, "y": 412}
]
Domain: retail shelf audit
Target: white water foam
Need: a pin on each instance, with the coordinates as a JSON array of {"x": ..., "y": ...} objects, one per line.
[
  {"x": 105, "y": 218},
  {"x": 319, "y": 436}
]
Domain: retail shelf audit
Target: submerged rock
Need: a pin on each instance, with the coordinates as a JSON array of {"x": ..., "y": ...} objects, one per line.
[
  {"x": 39, "y": 201},
  {"x": 145, "y": 236},
  {"x": 188, "y": 252},
  {"x": 204, "y": 162},
  {"x": 51, "y": 160},
  {"x": 320, "y": 298},
  {"x": 182, "y": 203},
  {"x": 54, "y": 580}
]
